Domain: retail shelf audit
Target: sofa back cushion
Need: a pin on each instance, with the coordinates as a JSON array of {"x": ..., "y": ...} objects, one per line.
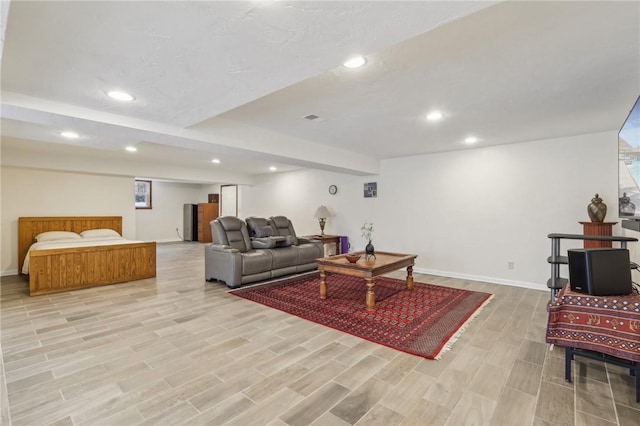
[
  {"x": 231, "y": 231},
  {"x": 264, "y": 231},
  {"x": 284, "y": 227},
  {"x": 259, "y": 227}
]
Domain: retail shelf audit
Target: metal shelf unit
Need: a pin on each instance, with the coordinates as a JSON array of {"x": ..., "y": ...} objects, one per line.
[{"x": 556, "y": 282}]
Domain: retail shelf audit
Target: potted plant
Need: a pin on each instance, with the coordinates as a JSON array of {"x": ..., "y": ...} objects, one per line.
[{"x": 366, "y": 231}]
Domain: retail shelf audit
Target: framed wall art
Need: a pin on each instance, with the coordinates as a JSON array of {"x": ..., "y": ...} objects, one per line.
[{"x": 371, "y": 190}]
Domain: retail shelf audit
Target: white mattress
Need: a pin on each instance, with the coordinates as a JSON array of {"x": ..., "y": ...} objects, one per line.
[{"x": 84, "y": 242}]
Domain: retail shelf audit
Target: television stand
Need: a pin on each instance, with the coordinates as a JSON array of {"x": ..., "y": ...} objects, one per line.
[{"x": 556, "y": 282}]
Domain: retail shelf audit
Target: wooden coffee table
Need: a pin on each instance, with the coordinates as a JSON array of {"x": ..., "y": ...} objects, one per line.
[{"x": 368, "y": 269}]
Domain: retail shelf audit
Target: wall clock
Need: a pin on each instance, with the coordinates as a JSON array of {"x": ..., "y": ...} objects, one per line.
[{"x": 333, "y": 189}]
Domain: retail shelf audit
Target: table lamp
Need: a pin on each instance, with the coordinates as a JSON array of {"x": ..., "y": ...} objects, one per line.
[{"x": 322, "y": 213}]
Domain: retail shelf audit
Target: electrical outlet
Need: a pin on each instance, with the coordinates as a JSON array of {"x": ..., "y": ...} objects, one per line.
[{"x": 510, "y": 264}]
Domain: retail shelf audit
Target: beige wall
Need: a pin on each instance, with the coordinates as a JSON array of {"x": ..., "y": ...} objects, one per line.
[
  {"x": 28, "y": 192},
  {"x": 160, "y": 223}
]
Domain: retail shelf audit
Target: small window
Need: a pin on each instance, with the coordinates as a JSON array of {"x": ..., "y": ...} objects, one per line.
[{"x": 143, "y": 194}]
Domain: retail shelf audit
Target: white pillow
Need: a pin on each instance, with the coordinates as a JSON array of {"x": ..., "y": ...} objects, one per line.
[
  {"x": 99, "y": 233},
  {"x": 57, "y": 235}
]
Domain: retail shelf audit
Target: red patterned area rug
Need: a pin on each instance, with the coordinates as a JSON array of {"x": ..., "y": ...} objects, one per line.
[{"x": 423, "y": 322}]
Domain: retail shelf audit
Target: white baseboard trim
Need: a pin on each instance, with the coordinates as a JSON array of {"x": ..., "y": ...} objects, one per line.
[
  {"x": 492, "y": 280},
  {"x": 8, "y": 272},
  {"x": 169, "y": 240}
]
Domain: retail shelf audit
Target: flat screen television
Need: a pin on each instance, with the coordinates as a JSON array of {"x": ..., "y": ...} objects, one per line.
[{"x": 629, "y": 165}]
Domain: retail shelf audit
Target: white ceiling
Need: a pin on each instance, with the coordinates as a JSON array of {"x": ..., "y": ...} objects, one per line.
[{"x": 234, "y": 80}]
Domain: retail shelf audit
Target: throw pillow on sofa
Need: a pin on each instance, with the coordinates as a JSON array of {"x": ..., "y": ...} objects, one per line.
[{"x": 264, "y": 231}]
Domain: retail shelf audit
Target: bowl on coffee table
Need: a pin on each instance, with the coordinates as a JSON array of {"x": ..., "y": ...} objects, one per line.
[{"x": 352, "y": 257}]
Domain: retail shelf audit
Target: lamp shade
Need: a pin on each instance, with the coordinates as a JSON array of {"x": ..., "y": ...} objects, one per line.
[{"x": 322, "y": 212}]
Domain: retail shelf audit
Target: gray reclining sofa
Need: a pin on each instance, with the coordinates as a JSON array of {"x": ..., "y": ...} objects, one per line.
[{"x": 256, "y": 250}]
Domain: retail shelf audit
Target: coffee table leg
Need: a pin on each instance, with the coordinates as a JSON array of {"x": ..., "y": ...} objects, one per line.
[
  {"x": 371, "y": 295},
  {"x": 409, "y": 277},
  {"x": 323, "y": 285}
]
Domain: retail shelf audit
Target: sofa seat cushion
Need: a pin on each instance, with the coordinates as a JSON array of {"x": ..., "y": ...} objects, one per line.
[
  {"x": 308, "y": 253},
  {"x": 256, "y": 261},
  {"x": 283, "y": 257}
]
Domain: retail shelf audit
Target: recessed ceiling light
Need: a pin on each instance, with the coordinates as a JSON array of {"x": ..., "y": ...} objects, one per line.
[
  {"x": 434, "y": 116},
  {"x": 215, "y": 161},
  {"x": 69, "y": 134},
  {"x": 273, "y": 168},
  {"x": 131, "y": 148},
  {"x": 471, "y": 140},
  {"x": 120, "y": 96},
  {"x": 355, "y": 62}
]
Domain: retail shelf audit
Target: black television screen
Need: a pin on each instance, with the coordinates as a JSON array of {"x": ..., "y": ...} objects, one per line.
[{"x": 629, "y": 165}]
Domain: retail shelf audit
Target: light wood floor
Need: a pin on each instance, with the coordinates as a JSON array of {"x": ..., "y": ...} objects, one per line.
[{"x": 176, "y": 350}]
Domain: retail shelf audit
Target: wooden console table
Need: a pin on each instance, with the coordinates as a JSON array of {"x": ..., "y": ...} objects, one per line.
[
  {"x": 597, "y": 228},
  {"x": 326, "y": 239},
  {"x": 604, "y": 328}
]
